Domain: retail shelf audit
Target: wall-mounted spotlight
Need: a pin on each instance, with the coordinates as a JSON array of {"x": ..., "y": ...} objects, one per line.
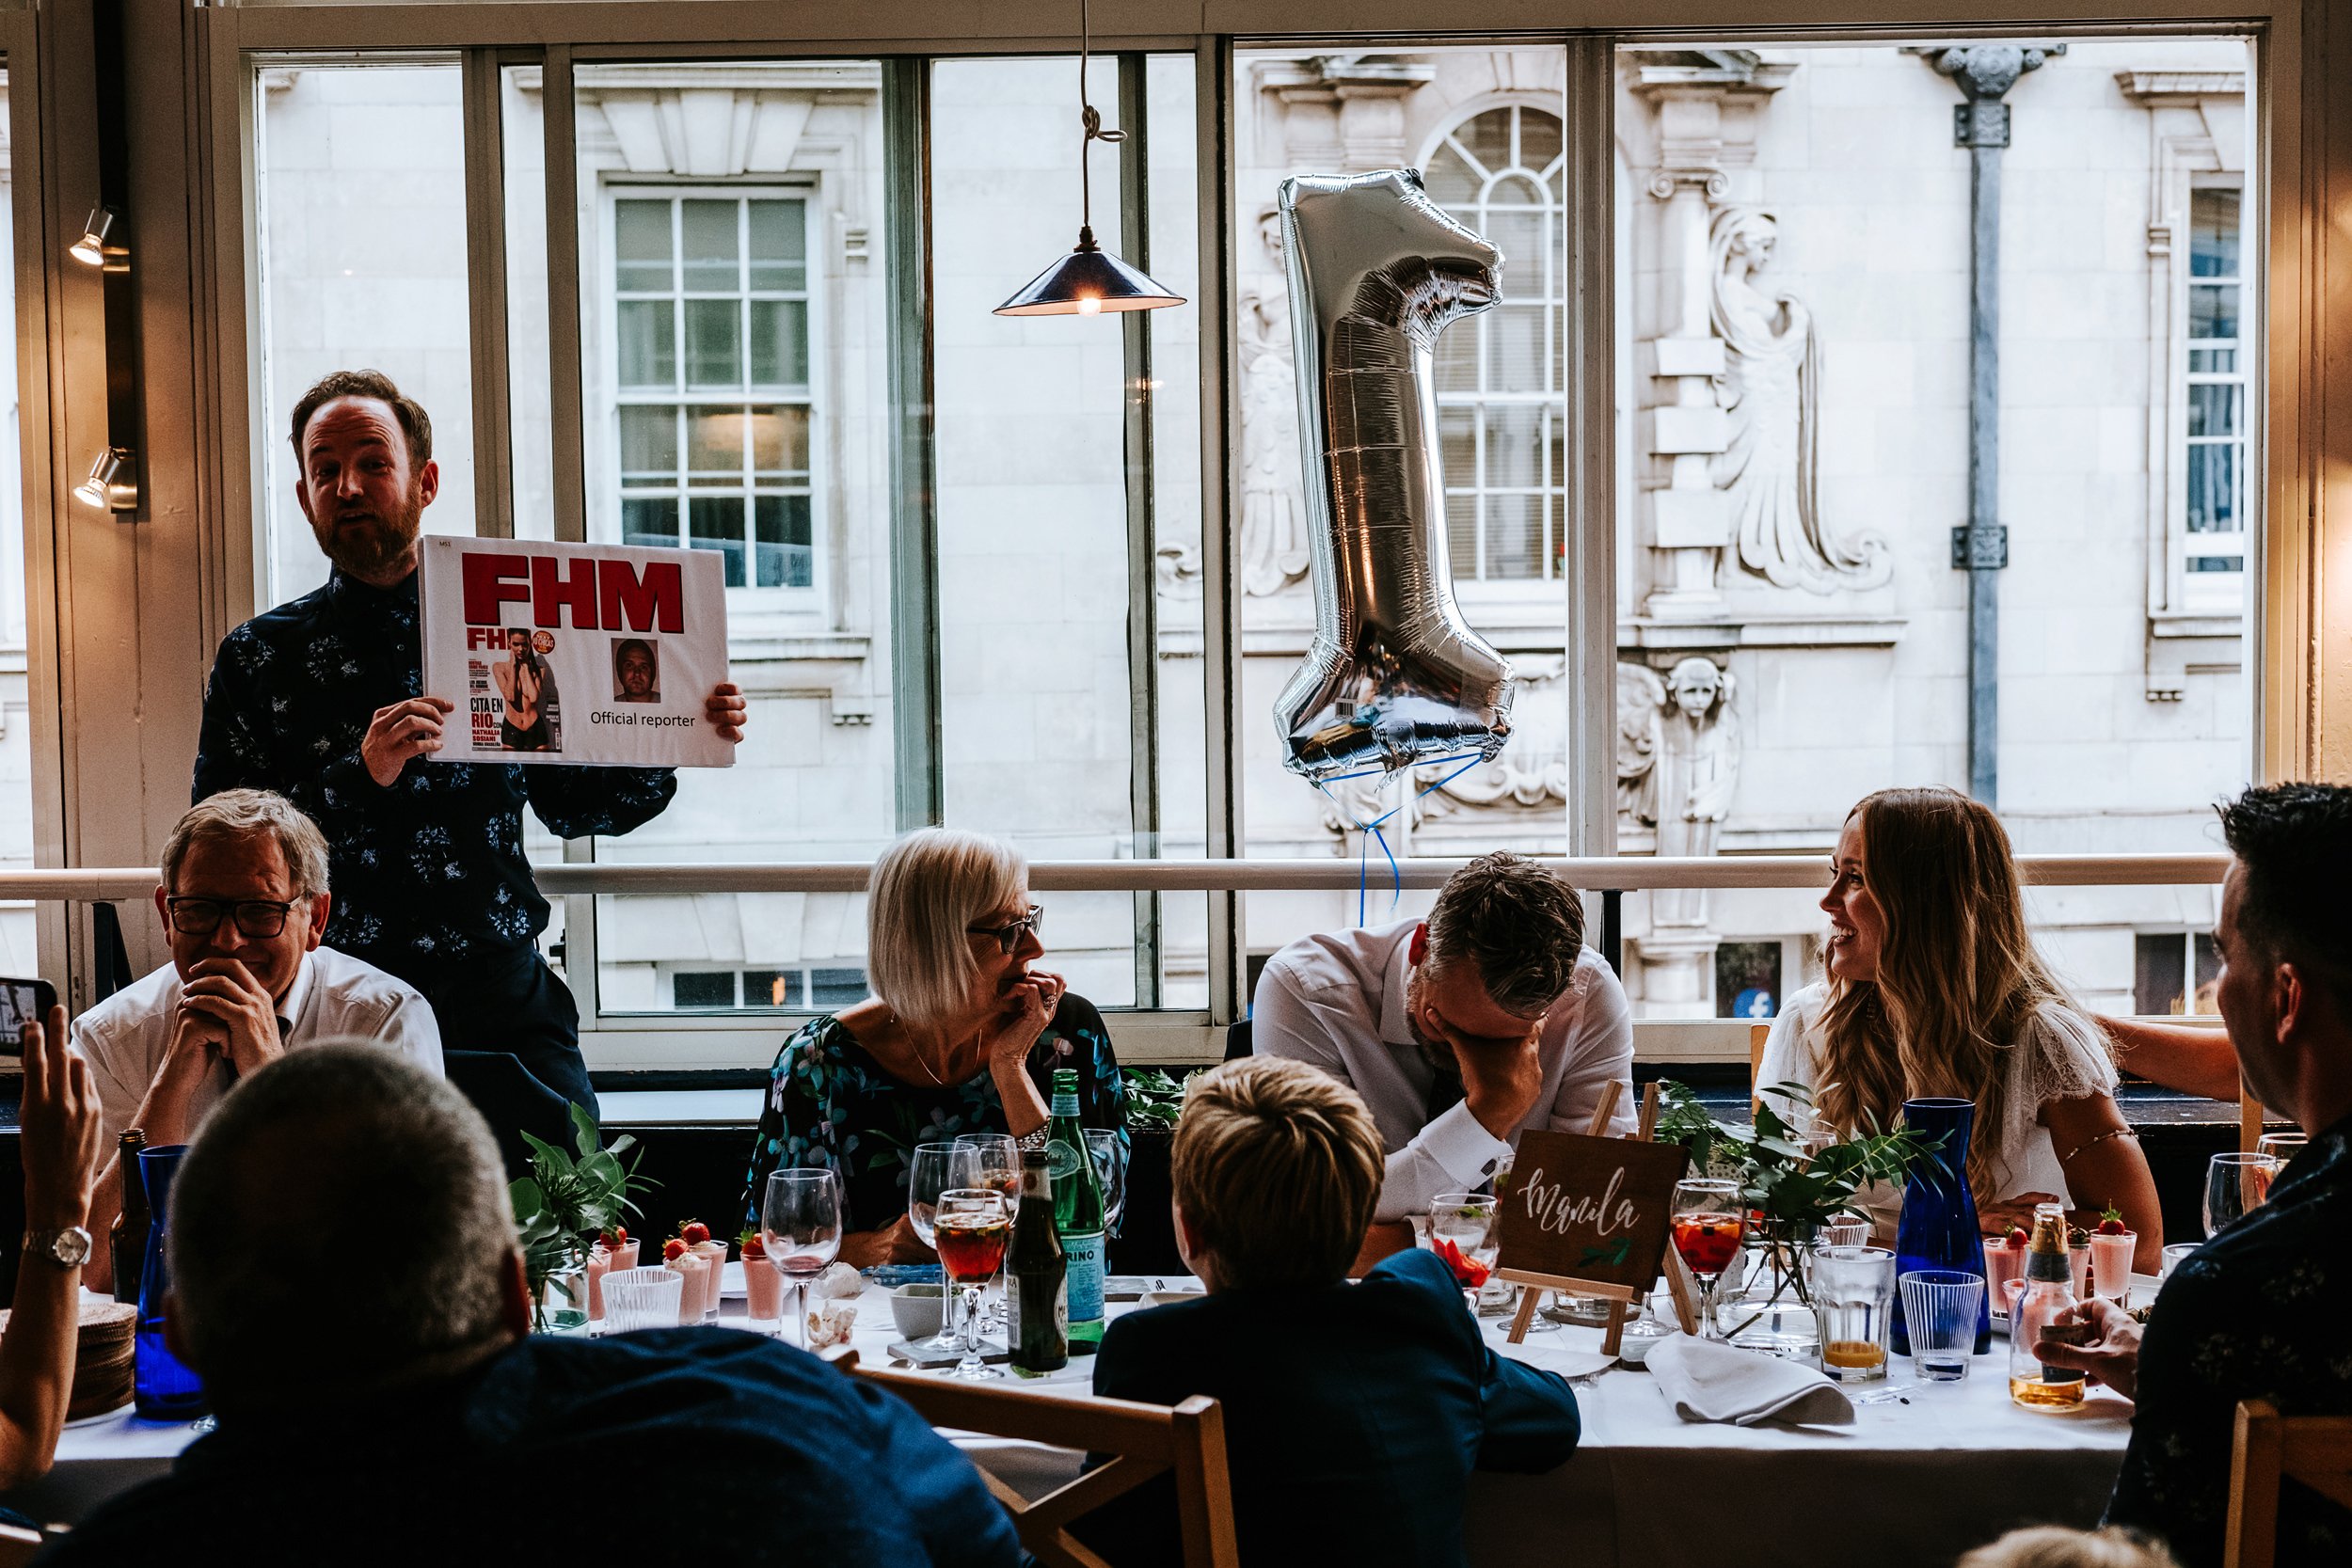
[
  {"x": 97, "y": 246},
  {"x": 112, "y": 485}
]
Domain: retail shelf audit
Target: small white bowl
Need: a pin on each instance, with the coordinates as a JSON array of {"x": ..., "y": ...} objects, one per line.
[{"x": 916, "y": 1309}]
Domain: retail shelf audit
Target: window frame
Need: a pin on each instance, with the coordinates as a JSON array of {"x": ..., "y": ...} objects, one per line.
[
  {"x": 2281, "y": 611},
  {"x": 748, "y": 606}
]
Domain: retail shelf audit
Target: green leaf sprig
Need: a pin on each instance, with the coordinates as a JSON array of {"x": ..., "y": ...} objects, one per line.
[{"x": 568, "y": 1200}]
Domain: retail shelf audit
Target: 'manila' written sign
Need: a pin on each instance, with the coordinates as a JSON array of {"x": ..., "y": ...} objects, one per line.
[{"x": 1597, "y": 1211}]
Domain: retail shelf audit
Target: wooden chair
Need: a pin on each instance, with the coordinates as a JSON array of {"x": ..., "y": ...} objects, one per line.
[
  {"x": 1757, "y": 1035},
  {"x": 1145, "y": 1440},
  {"x": 2269, "y": 1448},
  {"x": 17, "y": 1546}
]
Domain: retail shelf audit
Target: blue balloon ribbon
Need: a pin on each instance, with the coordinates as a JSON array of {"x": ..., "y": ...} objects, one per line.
[{"x": 1371, "y": 831}]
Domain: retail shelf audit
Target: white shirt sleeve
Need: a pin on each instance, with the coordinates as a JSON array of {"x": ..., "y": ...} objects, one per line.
[
  {"x": 1599, "y": 1051},
  {"x": 410, "y": 1029},
  {"x": 1283, "y": 1022},
  {"x": 1788, "y": 1059},
  {"x": 118, "y": 1101},
  {"x": 1452, "y": 1154}
]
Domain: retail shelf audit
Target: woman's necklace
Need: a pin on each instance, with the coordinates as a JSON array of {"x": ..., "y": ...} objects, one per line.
[{"x": 915, "y": 1049}]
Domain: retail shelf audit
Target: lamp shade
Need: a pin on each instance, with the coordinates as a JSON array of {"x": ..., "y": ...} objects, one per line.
[{"x": 1087, "y": 282}]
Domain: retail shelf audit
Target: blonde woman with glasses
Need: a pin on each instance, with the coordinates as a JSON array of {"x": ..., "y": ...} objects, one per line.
[
  {"x": 962, "y": 1035},
  {"x": 1934, "y": 989}
]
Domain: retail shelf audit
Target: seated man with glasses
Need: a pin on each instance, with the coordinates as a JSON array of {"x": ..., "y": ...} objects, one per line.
[{"x": 243, "y": 902}]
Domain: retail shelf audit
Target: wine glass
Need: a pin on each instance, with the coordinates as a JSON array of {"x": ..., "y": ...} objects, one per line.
[
  {"x": 1110, "y": 1169},
  {"x": 799, "y": 1221},
  {"x": 937, "y": 1167},
  {"x": 1709, "y": 1224},
  {"x": 2280, "y": 1147},
  {"x": 2235, "y": 1185},
  {"x": 996, "y": 1166},
  {"x": 971, "y": 1231},
  {"x": 1467, "y": 1222}
]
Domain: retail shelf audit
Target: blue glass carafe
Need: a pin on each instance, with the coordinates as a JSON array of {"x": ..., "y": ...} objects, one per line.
[
  {"x": 165, "y": 1389},
  {"x": 1937, "y": 1229}
]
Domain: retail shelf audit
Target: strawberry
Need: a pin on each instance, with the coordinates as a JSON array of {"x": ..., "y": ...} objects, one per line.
[
  {"x": 694, "y": 1232},
  {"x": 673, "y": 1249},
  {"x": 2017, "y": 1236},
  {"x": 616, "y": 1239},
  {"x": 755, "y": 1249},
  {"x": 2111, "y": 1223}
]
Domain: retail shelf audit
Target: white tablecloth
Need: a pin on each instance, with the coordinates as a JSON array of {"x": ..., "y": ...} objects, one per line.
[{"x": 1913, "y": 1483}]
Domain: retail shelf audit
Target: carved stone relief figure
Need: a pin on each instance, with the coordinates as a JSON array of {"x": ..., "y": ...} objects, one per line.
[
  {"x": 1696, "y": 771},
  {"x": 1641, "y": 695},
  {"x": 1273, "y": 514},
  {"x": 1771, "y": 392}
]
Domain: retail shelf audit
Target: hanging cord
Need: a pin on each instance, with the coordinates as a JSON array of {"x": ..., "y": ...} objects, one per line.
[
  {"x": 1092, "y": 121},
  {"x": 1371, "y": 831}
]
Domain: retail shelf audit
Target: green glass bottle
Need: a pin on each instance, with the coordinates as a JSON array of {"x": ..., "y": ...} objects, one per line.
[
  {"x": 1037, "y": 1298},
  {"x": 1077, "y": 1209}
]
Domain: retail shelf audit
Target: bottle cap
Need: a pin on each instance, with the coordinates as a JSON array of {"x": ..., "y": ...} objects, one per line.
[{"x": 1065, "y": 1080}]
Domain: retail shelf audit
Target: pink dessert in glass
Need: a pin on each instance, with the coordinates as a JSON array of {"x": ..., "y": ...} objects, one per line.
[
  {"x": 599, "y": 1264},
  {"x": 2078, "y": 1256},
  {"x": 763, "y": 1287},
  {"x": 2111, "y": 1261},
  {"x": 715, "y": 1254},
  {"x": 695, "y": 1269},
  {"x": 2004, "y": 1260}
]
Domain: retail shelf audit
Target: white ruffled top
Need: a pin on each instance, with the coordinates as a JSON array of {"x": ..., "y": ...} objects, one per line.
[{"x": 2062, "y": 1056}]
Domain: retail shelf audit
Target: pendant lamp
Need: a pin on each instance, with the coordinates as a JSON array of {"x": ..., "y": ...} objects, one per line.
[{"x": 1089, "y": 280}]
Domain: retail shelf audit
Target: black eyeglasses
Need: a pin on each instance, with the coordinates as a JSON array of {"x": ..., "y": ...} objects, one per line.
[
  {"x": 1009, "y": 937},
  {"x": 255, "y": 917}
]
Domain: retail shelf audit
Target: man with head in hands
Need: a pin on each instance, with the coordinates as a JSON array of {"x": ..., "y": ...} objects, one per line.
[
  {"x": 1459, "y": 1031},
  {"x": 243, "y": 903},
  {"x": 2252, "y": 1314}
]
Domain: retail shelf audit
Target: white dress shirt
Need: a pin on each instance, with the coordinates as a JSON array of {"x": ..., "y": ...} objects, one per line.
[
  {"x": 1337, "y": 1000},
  {"x": 127, "y": 1036}
]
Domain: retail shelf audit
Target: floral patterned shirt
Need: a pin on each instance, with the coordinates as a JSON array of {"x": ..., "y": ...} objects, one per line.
[
  {"x": 831, "y": 1103},
  {"x": 431, "y": 869},
  {"x": 2253, "y": 1314}
]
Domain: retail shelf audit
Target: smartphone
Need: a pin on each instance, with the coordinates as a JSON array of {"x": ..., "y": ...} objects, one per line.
[{"x": 21, "y": 1002}]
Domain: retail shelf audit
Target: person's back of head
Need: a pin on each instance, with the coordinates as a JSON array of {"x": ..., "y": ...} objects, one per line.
[
  {"x": 1518, "y": 925},
  {"x": 2053, "y": 1546},
  {"x": 1276, "y": 1167},
  {"x": 2284, "y": 912},
  {"x": 340, "y": 1228}
]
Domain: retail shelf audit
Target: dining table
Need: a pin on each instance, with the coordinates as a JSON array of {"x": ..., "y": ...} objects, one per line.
[{"x": 1926, "y": 1470}]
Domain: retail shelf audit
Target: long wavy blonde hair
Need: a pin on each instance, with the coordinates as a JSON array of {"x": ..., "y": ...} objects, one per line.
[{"x": 1958, "y": 981}]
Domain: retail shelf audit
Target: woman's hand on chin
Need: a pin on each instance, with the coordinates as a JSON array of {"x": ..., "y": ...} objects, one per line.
[
  {"x": 896, "y": 1243},
  {"x": 1029, "y": 1008}
]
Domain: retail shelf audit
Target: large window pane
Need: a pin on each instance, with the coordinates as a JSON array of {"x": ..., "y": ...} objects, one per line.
[
  {"x": 18, "y": 938},
  {"x": 723, "y": 251},
  {"x": 361, "y": 218},
  {"x": 1794, "y": 322},
  {"x": 1486, "y": 128}
]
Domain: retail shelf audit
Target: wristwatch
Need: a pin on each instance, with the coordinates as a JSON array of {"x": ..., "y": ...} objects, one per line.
[{"x": 68, "y": 1248}]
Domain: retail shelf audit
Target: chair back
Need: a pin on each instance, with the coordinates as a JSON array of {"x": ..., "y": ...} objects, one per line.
[
  {"x": 2267, "y": 1449},
  {"x": 1757, "y": 1035},
  {"x": 17, "y": 1546},
  {"x": 1238, "y": 1042},
  {"x": 1143, "y": 1440}
]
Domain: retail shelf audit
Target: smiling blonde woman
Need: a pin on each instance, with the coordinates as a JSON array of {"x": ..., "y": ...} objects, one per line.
[{"x": 1934, "y": 989}]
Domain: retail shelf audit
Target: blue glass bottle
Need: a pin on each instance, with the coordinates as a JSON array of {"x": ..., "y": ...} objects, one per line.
[
  {"x": 1937, "y": 1229},
  {"x": 165, "y": 1389}
]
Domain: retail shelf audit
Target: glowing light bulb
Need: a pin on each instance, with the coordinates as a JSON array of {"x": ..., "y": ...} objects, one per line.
[{"x": 1089, "y": 306}]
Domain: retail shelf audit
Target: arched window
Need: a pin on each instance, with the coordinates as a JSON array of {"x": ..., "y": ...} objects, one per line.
[{"x": 1501, "y": 172}]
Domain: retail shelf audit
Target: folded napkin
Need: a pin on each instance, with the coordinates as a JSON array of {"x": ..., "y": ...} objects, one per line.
[{"x": 1708, "y": 1382}]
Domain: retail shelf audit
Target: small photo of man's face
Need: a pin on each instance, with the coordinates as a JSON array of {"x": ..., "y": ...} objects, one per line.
[{"x": 636, "y": 672}]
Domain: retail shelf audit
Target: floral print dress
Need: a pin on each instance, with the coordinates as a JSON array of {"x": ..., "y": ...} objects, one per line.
[{"x": 831, "y": 1103}]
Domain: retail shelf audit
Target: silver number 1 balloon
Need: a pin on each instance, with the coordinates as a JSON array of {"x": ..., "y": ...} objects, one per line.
[{"x": 1394, "y": 675}]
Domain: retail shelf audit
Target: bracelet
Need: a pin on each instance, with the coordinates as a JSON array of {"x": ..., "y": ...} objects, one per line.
[
  {"x": 2132, "y": 1132},
  {"x": 1036, "y": 1137}
]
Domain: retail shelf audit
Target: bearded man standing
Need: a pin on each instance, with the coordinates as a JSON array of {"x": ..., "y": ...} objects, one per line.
[{"x": 322, "y": 701}]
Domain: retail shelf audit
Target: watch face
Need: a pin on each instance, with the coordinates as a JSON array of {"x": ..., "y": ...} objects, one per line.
[{"x": 71, "y": 1247}]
